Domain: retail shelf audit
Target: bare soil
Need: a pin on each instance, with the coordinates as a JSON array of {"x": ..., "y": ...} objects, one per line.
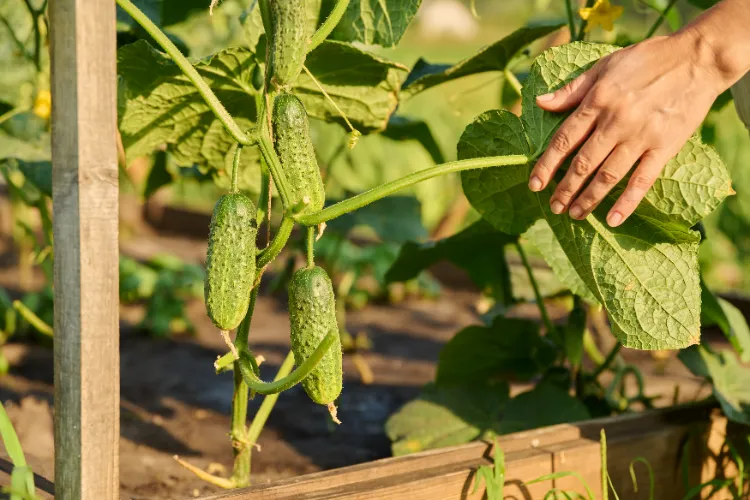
[{"x": 174, "y": 404}]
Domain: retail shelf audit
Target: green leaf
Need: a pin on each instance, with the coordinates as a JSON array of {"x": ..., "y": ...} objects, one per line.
[
  {"x": 402, "y": 128},
  {"x": 363, "y": 85},
  {"x": 500, "y": 194},
  {"x": 703, "y": 4},
  {"x": 159, "y": 105},
  {"x": 731, "y": 380},
  {"x": 731, "y": 321},
  {"x": 493, "y": 58},
  {"x": 163, "y": 12},
  {"x": 38, "y": 173},
  {"x": 375, "y": 22},
  {"x": 477, "y": 249},
  {"x": 573, "y": 336},
  {"x": 379, "y": 216},
  {"x": 446, "y": 416},
  {"x": 545, "y": 404},
  {"x": 551, "y": 70},
  {"x": 509, "y": 349},
  {"x": 543, "y": 238}
]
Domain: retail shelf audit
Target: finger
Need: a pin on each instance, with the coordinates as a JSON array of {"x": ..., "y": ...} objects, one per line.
[
  {"x": 596, "y": 149},
  {"x": 571, "y": 94},
  {"x": 614, "y": 169},
  {"x": 567, "y": 139},
  {"x": 643, "y": 178}
]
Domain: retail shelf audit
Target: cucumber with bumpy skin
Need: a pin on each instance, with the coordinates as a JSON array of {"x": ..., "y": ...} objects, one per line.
[
  {"x": 312, "y": 312},
  {"x": 288, "y": 40},
  {"x": 230, "y": 262},
  {"x": 297, "y": 155}
]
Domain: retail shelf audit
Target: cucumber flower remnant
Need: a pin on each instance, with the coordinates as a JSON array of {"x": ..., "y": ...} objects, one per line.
[{"x": 602, "y": 13}]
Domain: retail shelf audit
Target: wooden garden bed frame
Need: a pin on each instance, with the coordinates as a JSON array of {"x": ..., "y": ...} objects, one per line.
[{"x": 86, "y": 351}]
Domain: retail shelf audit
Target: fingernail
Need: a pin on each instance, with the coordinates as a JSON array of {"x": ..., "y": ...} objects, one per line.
[
  {"x": 614, "y": 219},
  {"x": 576, "y": 212},
  {"x": 557, "y": 207},
  {"x": 535, "y": 184},
  {"x": 545, "y": 97}
]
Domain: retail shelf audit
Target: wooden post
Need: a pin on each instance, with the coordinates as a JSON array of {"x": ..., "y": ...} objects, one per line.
[{"x": 85, "y": 195}]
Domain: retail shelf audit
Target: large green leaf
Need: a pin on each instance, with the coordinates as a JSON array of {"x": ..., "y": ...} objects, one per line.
[
  {"x": 543, "y": 238},
  {"x": 501, "y": 194},
  {"x": 375, "y": 22},
  {"x": 363, "y": 85},
  {"x": 509, "y": 349},
  {"x": 446, "y": 416},
  {"x": 493, "y": 58},
  {"x": 478, "y": 249},
  {"x": 159, "y": 105},
  {"x": 163, "y": 12},
  {"x": 546, "y": 404},
  {"x": 731, "y": 380},
  {"x": 645, "y": 272},
  {"x": 729, "y": 319}
]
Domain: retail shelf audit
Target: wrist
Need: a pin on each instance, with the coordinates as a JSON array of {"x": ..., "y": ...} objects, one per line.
[{"x": 719, "y": 42}]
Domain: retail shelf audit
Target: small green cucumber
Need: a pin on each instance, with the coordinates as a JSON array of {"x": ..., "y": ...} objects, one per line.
[
  {"x": 230, "y": 262},
  {"x": 288, "y": 40},
  {"x": 312, "y": 312},
  {"x": 297, "y": 154}
]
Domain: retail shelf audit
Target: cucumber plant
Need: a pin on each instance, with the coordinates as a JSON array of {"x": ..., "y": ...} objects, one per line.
[{"x": 644, "y": 273}]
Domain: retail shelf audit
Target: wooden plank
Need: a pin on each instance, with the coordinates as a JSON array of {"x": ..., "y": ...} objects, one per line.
[
  {"x": 447, "y": 474},
  {"x": 84, "y": 159}
]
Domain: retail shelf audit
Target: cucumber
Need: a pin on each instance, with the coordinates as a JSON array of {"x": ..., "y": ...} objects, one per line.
[
  {"x": 312, "y": 312},
  {"x": 230, "y": 262},
  {"x": 288, "y": 41},
  {"x": 297, "y": 155}
]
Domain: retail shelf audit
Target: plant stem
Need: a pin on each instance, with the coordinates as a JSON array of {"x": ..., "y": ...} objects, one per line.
[
  {"x": 513, "y": 81},
  {"x": 389, "y": 188},
  {"x": 274, "y": 165},
  {"x": 32, "y": 318},
  {"x": 265, "y": 15},
  {"x": 236, "y": 169},
  {"x": 539, "y": 299},
  {"x": 660, "y": 20},
  {"x": 571, "y": 18},
  {"x": 273, "y": 250},
  {"x": 328, "y": 26},
  {"x": 607, "y": 361},
  {"x": 282, "y": 384},
  {"x": 190, "y": 72},
  {"x": 604, "y": 473},
  {"x": 241, "y": 450},
  {"x": 311, "y": 247},
  {"x": 582, "y": 26},
  {"x": 268, "y": 403},
  {"x": 263, "y": 197}
]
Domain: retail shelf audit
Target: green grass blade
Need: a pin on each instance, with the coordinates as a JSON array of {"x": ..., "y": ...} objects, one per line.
[
  {"x": 22, "y": 478},
  {"x": 651, "y": 480},
  {"x": 560, "y": 475}
]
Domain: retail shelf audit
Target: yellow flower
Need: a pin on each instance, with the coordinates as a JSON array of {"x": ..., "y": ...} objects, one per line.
[
  {"x": 602, "y": 13},
  {"x": 43, "y": 104}
]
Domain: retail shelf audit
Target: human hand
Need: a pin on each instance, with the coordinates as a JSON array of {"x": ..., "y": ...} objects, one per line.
[{"x": 637, "y": 105}]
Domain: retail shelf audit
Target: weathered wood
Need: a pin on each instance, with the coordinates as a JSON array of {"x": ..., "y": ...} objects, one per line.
[
  {"x": 657, "y": 436},
  {"x": 84, "y": 158}
]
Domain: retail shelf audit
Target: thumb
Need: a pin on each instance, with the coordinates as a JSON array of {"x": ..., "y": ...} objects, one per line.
[{"x": 570, "y": 95}]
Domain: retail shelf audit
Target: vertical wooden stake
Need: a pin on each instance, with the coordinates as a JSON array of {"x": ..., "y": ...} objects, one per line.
[{"x": 85, "y": 197}]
